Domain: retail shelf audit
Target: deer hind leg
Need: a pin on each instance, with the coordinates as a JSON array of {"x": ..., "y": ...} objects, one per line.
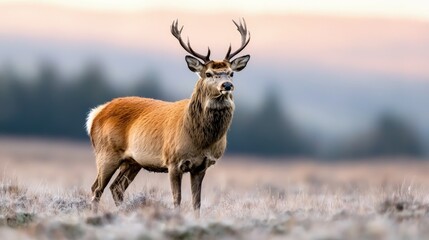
[
  {"x": 106, "y": 166},
  {"x": 127, "y": 172}
]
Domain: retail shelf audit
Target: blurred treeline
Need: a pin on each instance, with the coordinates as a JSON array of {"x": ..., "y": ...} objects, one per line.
[{"x": 49, "y": 105}]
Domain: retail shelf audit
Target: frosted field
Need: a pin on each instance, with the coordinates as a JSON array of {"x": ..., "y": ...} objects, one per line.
[{"x": 45, "y": 194}]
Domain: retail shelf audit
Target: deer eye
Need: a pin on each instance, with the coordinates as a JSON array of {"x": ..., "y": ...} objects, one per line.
[
  {"x": 231, "y": 74},
  {"x": 209, "y": 75}
]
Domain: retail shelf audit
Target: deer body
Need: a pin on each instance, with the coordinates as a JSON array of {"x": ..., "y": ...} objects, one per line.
[
  {"x": 178, "y": 130},
  {"x": 131, "y": 133}
]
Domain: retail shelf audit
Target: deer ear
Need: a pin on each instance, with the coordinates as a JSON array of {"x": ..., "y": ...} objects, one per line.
[
  {"x": 239, "y": 63},
  {"x": 194, "y": 64}
]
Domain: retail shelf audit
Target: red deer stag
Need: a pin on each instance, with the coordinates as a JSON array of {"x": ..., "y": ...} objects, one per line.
[{"x": 131, "y": 133}]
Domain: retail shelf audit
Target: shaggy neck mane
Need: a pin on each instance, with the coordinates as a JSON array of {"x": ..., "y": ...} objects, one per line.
[{"x": 207, "y": 120}]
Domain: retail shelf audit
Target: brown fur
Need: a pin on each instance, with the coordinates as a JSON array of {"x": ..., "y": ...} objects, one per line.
[
  {"x": 206, "y": 126},
  {"x": 183, "y": 136},
  {"x": 217, "y": 65}
]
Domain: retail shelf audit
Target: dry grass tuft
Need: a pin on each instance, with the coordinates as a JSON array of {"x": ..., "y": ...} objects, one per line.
[
  {"x": 404, "y": 210},
  {"x": 18, "y": 219}
]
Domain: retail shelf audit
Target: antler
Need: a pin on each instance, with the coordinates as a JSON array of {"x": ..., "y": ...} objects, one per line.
[
  {"x": 177, "y": 34},
  {"x": 242, "y": 28}
]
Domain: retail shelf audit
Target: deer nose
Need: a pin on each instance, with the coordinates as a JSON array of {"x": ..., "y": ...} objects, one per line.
[{"x": 227, "y": 86}]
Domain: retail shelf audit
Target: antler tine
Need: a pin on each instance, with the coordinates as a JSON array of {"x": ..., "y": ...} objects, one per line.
[
  {"x": 205, "y": 58},
  {"x": 229, "y": 51},
  {"x": 242, "y": 29},
  {"x": 177, "y": 34}
]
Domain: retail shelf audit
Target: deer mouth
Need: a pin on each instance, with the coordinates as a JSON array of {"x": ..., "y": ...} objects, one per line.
[{"x": 225, "y": 92}]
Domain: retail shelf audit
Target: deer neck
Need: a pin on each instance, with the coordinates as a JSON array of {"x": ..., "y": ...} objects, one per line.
[{"x": 208, "y": 119}]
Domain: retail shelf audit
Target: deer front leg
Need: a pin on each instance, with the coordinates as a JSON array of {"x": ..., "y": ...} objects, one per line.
[
  {"x": 197, "y": 176},
  {"x": 196, "y": 183},
  {"x": 176, "y": 185}
]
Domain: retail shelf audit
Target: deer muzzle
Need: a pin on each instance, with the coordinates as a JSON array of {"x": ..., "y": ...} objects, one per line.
[{"x": 226, "y": 87}]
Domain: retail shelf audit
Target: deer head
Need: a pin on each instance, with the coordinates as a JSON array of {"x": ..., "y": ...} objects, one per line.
[{"x": 215, "y": 76}]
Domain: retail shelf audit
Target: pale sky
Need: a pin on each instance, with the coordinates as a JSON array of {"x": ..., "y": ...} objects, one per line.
[
  {"x": 373, "y": 42},
  {"x": 412, "y": 9}
]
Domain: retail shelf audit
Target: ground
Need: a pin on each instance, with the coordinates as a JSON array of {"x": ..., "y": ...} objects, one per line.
[{"x": 45, "y": 194}]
